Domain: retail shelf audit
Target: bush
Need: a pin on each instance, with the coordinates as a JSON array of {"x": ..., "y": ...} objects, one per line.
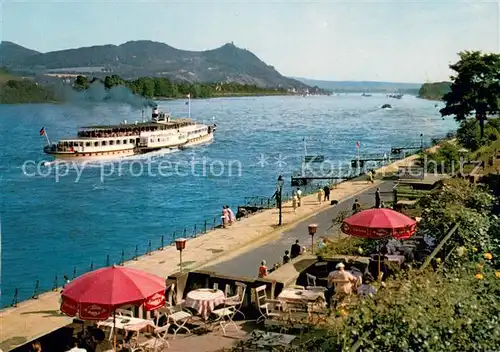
[
  {"x": 445, "y": 160},
  {"x": 426, "y": 312}
]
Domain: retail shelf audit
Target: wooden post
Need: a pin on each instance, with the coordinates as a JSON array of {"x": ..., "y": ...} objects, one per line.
[{"x": 439, "y": 246}]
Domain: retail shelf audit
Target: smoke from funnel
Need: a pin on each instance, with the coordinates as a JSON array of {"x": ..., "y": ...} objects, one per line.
[{"x": 117, "y": 94}]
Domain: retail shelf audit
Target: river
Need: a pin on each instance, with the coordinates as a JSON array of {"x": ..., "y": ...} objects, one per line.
[{"x": 55, "y": 220}]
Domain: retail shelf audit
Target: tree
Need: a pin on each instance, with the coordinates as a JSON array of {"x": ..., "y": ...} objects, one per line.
[{"x": 475, "y": 88}]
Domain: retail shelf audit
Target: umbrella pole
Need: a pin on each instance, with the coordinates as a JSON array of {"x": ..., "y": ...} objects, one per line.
[
  {"x": 378, "y": 276},
  {"x": 114, "y": 330}
]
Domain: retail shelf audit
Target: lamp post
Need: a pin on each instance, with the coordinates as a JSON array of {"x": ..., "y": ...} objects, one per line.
[
  {"x": 180, "y": 244},
  {"x": 421, "y": 142},
  {"x": 279, "y": 193},
  {"x": 312, "y": 231}
]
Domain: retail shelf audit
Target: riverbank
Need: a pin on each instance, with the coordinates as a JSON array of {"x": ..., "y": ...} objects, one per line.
[{"x": 35, "y": 318}]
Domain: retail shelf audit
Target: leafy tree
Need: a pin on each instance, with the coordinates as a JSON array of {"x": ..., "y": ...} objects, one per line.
[
  {"x": 475, "y": 87},
  {"x": 81, "y": 83},
  {"x": 434, "y": 91}
]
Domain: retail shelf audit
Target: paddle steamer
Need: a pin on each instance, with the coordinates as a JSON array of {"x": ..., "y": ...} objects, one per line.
[{"x": 127, "y": 139}]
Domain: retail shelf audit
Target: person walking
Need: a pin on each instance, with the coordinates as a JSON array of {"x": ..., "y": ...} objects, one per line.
[
  {"x": 326, "y": 189},
  {"x": 377, "y": 198},
  {"x": 320, "y": 196},
  {"x": 299, "y": 197},
  {"x": 294, "y": 202}
]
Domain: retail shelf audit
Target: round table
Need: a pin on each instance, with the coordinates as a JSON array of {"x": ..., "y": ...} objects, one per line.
[{"x": 204, "y": 300}]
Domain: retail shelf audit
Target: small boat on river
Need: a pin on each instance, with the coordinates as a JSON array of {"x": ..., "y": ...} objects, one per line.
[{"x": 127, "y": 139}]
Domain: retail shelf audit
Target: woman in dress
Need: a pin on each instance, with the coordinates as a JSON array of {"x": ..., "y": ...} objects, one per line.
[{"x": 224, "y": 217}]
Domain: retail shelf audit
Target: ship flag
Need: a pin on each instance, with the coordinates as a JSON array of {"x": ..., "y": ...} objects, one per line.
[
  {"x": 358, "y": 145},
  {"x": 44, "y": 133}
]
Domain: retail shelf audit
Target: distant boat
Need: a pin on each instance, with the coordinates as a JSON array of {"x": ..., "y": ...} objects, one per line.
[
  {"x": 366, "y": 95},
  {"x": 386, "y": 106}
]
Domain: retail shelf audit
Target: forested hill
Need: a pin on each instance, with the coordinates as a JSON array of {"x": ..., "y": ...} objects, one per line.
[
  {"x": 434, "y": 91},
  {"x": 135, "y": 59},
  {"x": 16, "y": 90}
]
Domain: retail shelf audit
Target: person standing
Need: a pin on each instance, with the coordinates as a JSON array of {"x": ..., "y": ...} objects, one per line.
[
  {"x": 356, "y": 207},
  {"x": 230, "y": 214},
  {"x": 224, "y": 217},
  {"x": 295, "y": 250},
  {"x": 262, "y": 269},
  {"x": 377, "y": 198},
  {"x": 326, "y": 189}
]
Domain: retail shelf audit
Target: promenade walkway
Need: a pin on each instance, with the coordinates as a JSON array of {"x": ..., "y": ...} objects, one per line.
[
  {"x": 246, "y": 262},
  {"x": 34, "y": 318}
]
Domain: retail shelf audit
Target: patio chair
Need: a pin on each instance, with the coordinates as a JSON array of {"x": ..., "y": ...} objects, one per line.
[
  {"x": 311, "y": 284},
  {"x": 225, "y": 317},
  {"x": 237, "y": 300},
  {"x": 159, "y": 342},
  {"x": 124, "y": 313},
  {"x": 267, "y": 308},
  {"x": 177, "y": 316}
]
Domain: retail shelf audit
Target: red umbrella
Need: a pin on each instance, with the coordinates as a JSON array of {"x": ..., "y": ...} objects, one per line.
[
  {"x": 96, "y": 295},
  {"x": 379, "y": 223}
]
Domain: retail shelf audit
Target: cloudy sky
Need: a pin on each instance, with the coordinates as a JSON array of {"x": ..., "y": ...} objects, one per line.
[{"x": 402, "y": 41}]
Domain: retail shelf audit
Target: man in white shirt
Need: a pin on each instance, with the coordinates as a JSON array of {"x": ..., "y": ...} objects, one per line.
[
  {"x": 340, "y": 283},
  {"x": 76, "y": 348}
]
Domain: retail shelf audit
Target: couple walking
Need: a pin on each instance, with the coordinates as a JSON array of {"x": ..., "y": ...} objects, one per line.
[{"x": 227, "y": 216}]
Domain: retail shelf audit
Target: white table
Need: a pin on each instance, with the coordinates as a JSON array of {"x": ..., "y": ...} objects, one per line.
[
  {"x": 204, "y": 300},
  {"x": 127, "y": 324},
  {"x": 297, "y": 296}
]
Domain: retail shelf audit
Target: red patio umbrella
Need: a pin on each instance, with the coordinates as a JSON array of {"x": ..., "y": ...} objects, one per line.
[
  {"x": 379, "y": 223},
  {"x": 96, "y": 295}
]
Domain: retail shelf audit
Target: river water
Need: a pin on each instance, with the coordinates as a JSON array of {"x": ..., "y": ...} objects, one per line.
[{"x": 55, "y": 220}]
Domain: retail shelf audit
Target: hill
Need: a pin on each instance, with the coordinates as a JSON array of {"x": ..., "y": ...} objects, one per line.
[
  {"x": 362, "y": 86},
  {"x": 10, "y": 53},
  {"x": 147, "y": 58},
  {"x": 19, "y": 90},
  {"x": 434, "y": 91}
]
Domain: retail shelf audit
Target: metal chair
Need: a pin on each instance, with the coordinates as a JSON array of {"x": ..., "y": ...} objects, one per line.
[
  {"x": 225, "y": 313},
  {"x": 311, "y": 284},
  {"x": 159, "y": 342},
  {"x": 178, "y": 316},
  {"x": 237, "y": 300},
  {"x": 265, "y": 305}
]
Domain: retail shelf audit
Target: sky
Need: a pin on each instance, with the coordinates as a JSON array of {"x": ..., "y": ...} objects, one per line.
[{"x": 399, "y": 41}]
